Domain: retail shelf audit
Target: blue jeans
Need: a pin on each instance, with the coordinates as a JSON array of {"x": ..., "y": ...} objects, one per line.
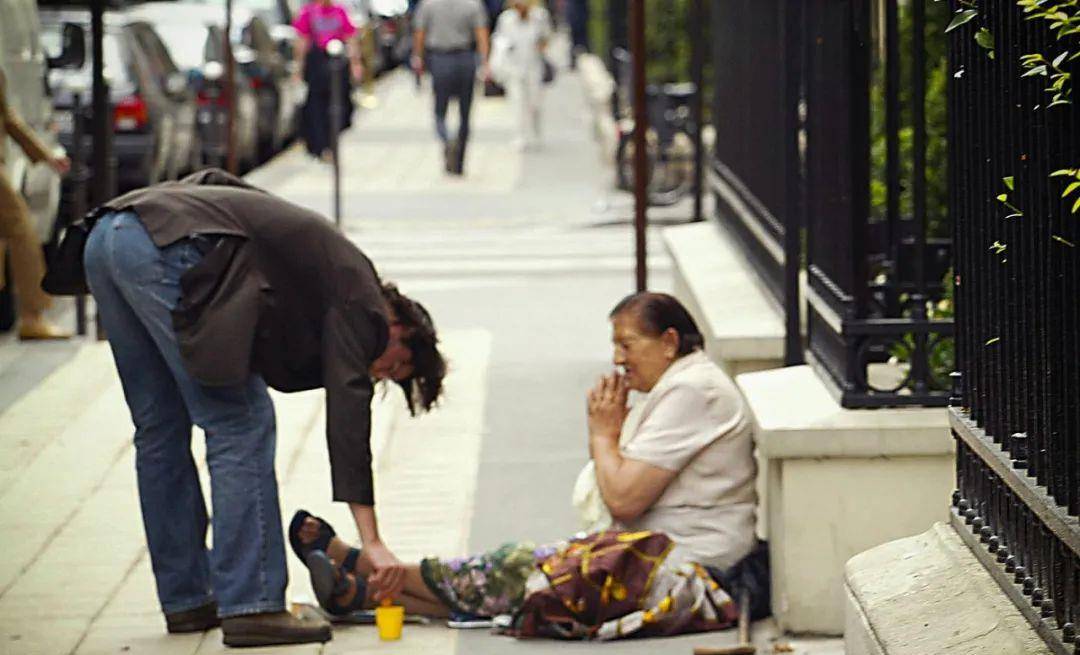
[{"x": 136, "y": 285}]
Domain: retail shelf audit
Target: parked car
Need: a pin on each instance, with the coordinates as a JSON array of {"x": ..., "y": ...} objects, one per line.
[
  {"x": 195, "y": 34},
  {"x": 154, "y": 133},
  {"x": 24, "y": 62},
  {"x": 276, "y": 16}
]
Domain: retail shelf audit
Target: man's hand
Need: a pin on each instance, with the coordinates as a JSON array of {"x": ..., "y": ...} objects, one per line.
[
  {"x": 388, "y": 577},
  {"x": 356, "y": 69},
  {"x": 607, "y": 407},
  {"x": 417, "y": 63},
  {"x": 59, "y": 164}
]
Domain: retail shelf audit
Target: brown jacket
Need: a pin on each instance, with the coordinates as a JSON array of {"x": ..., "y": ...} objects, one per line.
[
  {"x": 11, "y": 124},
  {"x": 280, "y": 293}
]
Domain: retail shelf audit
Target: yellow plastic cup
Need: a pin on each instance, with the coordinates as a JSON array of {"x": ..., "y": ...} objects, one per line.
[{"x": 389, "y": 619}]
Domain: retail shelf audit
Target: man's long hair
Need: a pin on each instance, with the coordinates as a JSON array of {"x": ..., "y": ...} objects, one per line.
[{"x": 423, "y": 388}]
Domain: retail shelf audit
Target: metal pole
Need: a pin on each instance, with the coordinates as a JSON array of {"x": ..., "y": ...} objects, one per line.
[
  {"x": 697, "y": 74},
  {"x": 920, "y": 365},
  {"x": 335, "y": 49},
  {"x": 794, "y": 56},
  {"x": 230, "y": 93},
  {"x": 892, "y": 136},
  {"x": 102, "y": 128},
  {"x": 101, "y": 109},
  {"x": 78, "y": 194},
  {"x": 637, "y": 47}
]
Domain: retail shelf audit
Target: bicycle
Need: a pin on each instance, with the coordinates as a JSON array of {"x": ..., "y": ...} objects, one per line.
[{"x": 669, "y": 138}]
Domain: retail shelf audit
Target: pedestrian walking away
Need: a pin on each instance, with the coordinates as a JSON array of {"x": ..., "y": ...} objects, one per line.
[
  {"x": 211, "y": 290},
  {"x": 517, "y": 62},
  {"x": 318, "y": 23},
  {"x": 448, "y": 35},
  {"x": 27, "y": 261}
]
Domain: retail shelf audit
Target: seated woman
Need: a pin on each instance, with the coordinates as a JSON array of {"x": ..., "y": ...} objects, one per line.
[{"x": 678, "y": 463}]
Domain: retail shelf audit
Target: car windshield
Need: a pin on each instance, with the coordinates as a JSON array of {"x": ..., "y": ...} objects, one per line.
[
  {"x": 186, "y": 43},
  {"x": 116, "y": 70}
]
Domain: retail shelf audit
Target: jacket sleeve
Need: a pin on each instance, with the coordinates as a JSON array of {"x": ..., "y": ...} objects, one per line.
[
  {"x": 350, "y": 336},
  {"x": 217, "y": 177},
  {"x": 23, "y": 135}
]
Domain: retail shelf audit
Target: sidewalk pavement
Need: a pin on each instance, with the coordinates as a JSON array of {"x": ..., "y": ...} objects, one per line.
[{"x": 75, "y": 576}]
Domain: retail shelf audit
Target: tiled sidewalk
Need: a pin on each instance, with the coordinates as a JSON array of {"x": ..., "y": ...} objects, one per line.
[{"x": 75, "y": 576}]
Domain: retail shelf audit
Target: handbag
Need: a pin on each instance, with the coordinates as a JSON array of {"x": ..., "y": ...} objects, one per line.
[
  {"x": 549, "y": 71},
  {"x": 64, "y": 271}
]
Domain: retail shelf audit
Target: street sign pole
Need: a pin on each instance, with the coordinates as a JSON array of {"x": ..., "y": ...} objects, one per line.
[
  {"x": 230, "y": 93},
  {"x": 697, "y": 74},
  {"x": 103, "y": 162},
  {"x": 335, "y": 49},
  {"x": 637, "y": 49}
]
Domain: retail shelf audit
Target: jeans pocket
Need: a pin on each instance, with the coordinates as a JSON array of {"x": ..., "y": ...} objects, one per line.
[{"x": 177, "y": 259}]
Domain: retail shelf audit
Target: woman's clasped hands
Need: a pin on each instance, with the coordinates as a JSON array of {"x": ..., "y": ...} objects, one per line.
[{"x": 607, "y": 408}]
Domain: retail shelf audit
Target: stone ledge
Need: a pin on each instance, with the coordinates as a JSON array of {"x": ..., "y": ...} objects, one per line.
[
  {"x": 796, "y": 416},
  {"x": 928, "y": 595},
  {"x": 743, "y": 331},
  {"x": 838, "y": 482}
]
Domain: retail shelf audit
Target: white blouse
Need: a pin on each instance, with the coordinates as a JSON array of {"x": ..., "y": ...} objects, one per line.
[{"x": 694, "y": 421}]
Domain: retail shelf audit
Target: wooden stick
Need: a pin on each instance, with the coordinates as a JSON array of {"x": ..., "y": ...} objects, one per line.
[{"x": 744, "y": 647}]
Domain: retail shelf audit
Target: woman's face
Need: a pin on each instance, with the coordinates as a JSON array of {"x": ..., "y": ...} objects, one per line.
[{"x": 643, "y": 357}]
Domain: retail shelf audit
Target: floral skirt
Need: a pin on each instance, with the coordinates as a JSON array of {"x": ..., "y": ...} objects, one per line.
[
  {"x": 604, "y": 585},
  {"x": 486, "y": 584}
]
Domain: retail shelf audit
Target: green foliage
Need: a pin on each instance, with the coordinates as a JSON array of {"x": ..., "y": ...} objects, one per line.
[
  {"x": 1063, "y": 18},
  {"x": 941, "y": 355},
  {"x": 937, "y": 16},
  {"x": 667, "y": 44},
  {"x": 1072, "y": 177}
]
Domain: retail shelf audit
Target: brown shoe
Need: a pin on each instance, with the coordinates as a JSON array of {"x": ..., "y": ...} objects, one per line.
[
  {"x": 273, "y": 628},
  {"x": 38, "y": 329},
  {"x": 197, "y": 619}
]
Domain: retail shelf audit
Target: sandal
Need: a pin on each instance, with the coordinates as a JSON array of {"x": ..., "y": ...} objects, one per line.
[
  {"x": 322, "y": 542},
  {"x": 330, "y": 582}
]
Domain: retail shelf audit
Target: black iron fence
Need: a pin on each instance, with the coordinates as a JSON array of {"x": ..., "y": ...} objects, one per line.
[
  {"x": 805, "y": 91},
  {"x": 1016, "y": 416},
  {"x": 872, "y": 282},
  {"x": 756, "y": 173}
]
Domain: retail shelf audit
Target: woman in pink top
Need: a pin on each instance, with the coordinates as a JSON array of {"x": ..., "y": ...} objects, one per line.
[{"x": 318, "y": 23}]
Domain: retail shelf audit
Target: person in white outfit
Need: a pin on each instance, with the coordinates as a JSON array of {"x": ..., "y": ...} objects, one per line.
[{"x": 521, "y": 36}]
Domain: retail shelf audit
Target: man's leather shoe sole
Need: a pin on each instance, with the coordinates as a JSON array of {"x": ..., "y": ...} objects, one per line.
[
  {"x": 197, "y": 619},
  {"x": 273, "y": 629}
]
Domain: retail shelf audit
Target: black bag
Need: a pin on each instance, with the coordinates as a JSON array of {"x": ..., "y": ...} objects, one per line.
[
  {"x": 64, "y": 272},
  {"x": 750, "y": 574},
  {"x": 493, "y": 89},
  {"x": 549, "y": 71}
]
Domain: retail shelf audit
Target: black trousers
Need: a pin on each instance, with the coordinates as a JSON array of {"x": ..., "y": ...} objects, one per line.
[
  {"x": 315, "y": 115},
  {"x": 453, "y": 75}
]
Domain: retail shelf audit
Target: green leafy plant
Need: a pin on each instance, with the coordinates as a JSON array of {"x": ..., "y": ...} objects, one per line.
[
  {"x": 1072, "y": 176},
  {"x": 1003, "y": 198},
  {"x": 941, "y": 354}
]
